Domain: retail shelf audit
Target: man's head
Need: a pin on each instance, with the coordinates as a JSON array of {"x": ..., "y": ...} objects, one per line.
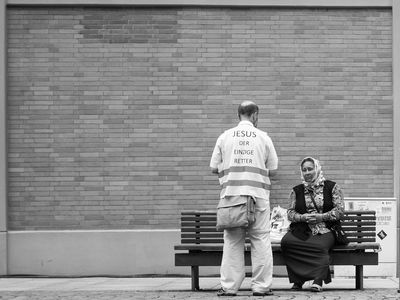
[{"x": 248, "y": 110}]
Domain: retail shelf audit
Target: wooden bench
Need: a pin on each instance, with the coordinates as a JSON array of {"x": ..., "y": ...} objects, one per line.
[{"x": 202, "y": 244}]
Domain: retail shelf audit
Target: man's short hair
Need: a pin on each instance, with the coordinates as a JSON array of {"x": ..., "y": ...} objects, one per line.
[{"x": 247, "y": 108}]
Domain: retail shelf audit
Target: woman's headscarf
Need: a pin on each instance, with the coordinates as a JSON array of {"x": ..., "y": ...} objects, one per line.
[{"x": 318, "y": 177}]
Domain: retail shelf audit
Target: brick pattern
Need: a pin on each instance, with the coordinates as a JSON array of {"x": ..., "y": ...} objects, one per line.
[{"x": 113, "y": 112}]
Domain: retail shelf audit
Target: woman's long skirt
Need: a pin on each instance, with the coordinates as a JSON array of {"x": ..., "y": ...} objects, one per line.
[{"x": 307, "y": 260}]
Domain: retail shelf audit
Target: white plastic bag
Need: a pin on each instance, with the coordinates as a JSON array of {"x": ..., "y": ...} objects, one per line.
[{"x": 279, "y": 224}]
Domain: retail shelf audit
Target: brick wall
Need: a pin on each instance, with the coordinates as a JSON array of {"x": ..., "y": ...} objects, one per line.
[{"x": 113, "y": 112}]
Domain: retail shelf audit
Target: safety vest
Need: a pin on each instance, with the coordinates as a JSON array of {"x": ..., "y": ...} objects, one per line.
[{"x": 242, "y": 155}]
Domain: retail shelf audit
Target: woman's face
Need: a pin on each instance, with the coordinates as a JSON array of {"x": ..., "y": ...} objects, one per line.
[{"x": 308, "y": 170}]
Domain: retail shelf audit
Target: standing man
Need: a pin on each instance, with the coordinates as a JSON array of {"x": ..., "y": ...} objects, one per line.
[{"x": 244, "y": 158}]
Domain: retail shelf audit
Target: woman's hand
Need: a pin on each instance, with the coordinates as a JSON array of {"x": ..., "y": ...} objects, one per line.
[{"x": 312, "y": 218}]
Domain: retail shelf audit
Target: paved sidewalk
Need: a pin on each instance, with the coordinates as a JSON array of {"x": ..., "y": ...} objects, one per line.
[{"x": 24, "y": 288}]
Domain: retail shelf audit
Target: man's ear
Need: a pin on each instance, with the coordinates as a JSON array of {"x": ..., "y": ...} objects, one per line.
[{"x": 254, "y": 118}]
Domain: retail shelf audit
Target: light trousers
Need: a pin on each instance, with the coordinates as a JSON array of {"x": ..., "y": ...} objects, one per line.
[{"x": 233, "y": 266}]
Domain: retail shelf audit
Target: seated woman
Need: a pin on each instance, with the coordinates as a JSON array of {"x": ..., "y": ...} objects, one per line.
[{"x": 313, "y": 204}]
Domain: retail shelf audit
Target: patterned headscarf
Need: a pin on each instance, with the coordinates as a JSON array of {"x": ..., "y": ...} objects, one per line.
[{"x": 318, "y": 178}]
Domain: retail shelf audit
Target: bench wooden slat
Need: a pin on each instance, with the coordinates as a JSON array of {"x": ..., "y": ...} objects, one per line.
[
  {"x": 209, "y": 223},
  {"x": 355, "y": 240},
  {"x": 213, "y": 212},
  {"x": 221, "y": 241},
  {"x": 219, "y": 235},
  {"x": 207, "y": 229},
  {"x": 356, "y": 228},
  {"x": 360, "y": 212},
  {"x": 213, "y": 258},
  {"x": 201, "y": 236},
  {"x": 358, "y": 223},
  {"x": 205, "y": 241},
  {"x": 346, "y": 219},
  {"x": 201, "y": 227},
  {"x": 198, "y": 212},
  {"x": 199, "y": 219},
  {"x": 360, "y": 233},
  {"x": 277, "y": 246}
]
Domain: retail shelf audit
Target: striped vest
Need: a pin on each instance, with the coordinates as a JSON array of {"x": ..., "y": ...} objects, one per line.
[{"x": 243, "y": 171}]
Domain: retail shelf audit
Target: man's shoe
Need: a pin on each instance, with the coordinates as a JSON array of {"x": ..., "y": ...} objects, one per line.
[
  {"x": 221, "y": 292},
  {"x": 267, "y": 293}
]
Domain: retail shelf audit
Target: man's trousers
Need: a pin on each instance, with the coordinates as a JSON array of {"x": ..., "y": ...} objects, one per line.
[{"x": 232, "y": 266}]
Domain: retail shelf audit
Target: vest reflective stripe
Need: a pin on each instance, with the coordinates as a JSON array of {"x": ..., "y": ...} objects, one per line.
[
  {"x": 256, "y": 184},
  {"x": 243, "y": 169},
  {"x": 243, "y": 180}
]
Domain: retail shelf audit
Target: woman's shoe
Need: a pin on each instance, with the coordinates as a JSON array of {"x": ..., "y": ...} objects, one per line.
[
  {"x": 297, "y": 286},
  {"x": 316, "y": 288}
]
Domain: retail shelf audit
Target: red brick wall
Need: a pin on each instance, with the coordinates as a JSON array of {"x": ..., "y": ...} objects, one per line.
[{"x": 113, "y": 112}]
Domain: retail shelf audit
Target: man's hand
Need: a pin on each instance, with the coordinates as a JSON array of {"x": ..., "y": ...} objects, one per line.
[
  {"x": 214, "y": 170},
  {"x": 272, "y": 173}
]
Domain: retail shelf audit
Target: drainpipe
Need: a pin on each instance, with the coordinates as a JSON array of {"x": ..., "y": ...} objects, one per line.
[
  {"x": 3, "y": 139},
  {"x": 396, "y": 118}
]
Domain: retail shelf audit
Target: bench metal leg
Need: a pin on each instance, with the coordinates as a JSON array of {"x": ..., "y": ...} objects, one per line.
[
  {"x": 359, "y": 277},
  {"x": 195, "y": 278}
]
